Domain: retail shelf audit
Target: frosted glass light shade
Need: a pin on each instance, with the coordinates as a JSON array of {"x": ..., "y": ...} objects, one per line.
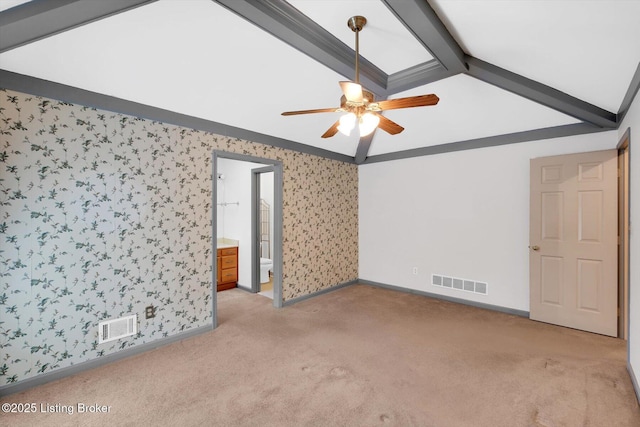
[
  {"x": 368, "y": 122},
  {"x": 347, "y": 123}
]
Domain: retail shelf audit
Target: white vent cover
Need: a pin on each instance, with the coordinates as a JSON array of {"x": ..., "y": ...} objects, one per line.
[
  {"x": 114, "y": 329},
  {"x": 460, "y": 284}
]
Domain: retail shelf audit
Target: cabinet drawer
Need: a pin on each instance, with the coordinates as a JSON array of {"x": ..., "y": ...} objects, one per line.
[
  {"x": 229, "y": 275},
  {"x": 228, "y": 251},
  {"x": 229, "y": 261}
]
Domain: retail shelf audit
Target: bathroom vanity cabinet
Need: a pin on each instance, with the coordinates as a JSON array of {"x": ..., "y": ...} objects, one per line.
[{"x": 227, "y": 268}]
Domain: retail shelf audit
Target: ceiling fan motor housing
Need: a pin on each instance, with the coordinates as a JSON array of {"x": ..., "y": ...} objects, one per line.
[{"x": 367, "y": 98}]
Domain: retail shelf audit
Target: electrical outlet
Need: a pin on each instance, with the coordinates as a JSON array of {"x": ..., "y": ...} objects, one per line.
[
  {"x": 149, "y": 312},
  {"x": 415, "y": 271}
]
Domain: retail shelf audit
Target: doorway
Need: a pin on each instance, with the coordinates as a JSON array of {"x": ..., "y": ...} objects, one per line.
[
  {"x": 248, "y": 242},
  {"x": 262, "y": 225},
  {"x": 574, "y": 239}
]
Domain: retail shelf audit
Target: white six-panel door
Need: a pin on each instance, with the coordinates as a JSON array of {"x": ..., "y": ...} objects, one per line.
[{"x": 573, "y": 241}]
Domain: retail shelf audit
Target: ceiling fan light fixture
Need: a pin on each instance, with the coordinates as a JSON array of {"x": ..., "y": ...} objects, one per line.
[
  {"x": 347, "y": 123},
  {"x": 359, "y": 104},
  {"x": 367, "y": 123}
]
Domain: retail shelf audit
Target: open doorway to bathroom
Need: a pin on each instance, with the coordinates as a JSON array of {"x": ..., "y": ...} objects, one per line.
[
  {"x": 239, "y": 183},
  {"x": 262, "y": 202}
]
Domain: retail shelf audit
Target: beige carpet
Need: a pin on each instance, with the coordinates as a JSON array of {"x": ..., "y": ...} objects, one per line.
[{"x": 359, "y": 356}]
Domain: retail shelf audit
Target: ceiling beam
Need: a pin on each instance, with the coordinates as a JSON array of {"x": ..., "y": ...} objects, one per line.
[
  {"x": 418, "y": 75},
  {"x": 39, "y": 19},
  {"x": 426, "y": 26},
  {"x": 540, "y": 93},
  {"x": 422, "y": 21},
  {"x": 491, "y": 141},
  {"x": 283, "y": 21},
  {"x": 363, "y": 148},
  {"x": 632, "y": 91}
]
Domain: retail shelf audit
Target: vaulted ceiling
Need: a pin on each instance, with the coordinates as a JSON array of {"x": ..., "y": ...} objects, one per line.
[{"x": 505, "y": 71}]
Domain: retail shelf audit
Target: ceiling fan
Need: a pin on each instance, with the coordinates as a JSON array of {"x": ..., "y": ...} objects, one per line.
[{"x": 359, "y": 104}]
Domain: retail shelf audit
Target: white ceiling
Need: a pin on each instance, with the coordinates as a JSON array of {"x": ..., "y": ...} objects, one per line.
[
  {"x": 384, "y": 41},
  {"x": 197, "y": 58},
  {"x": 571, "y": 45}
]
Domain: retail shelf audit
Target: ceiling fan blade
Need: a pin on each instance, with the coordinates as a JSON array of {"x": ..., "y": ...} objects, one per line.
[
  {"x": 332, "y": 130},
  {"x": 389, "y": 126},
  {"x": 411, "y": 101},
  {"x": 352, "y": 91},
  {"x": 319, "y": 110}
]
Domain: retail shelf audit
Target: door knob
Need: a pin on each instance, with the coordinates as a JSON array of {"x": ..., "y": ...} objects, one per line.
[{"x": 535, "y": 247}]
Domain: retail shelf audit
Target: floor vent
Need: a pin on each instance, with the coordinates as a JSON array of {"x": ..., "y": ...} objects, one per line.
[
  {"x": 114, "y": 329},
  {"x": 460, "y": 284}
]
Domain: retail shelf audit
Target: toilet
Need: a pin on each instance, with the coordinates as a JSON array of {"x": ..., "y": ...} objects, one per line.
[{"x": 265, "y": 265}]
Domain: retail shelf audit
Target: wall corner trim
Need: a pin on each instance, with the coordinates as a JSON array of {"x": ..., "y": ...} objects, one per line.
[{"x": 101, "y": 361}]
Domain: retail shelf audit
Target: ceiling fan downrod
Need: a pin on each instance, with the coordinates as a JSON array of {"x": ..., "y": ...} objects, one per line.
[{"x": 356, "y": 23}]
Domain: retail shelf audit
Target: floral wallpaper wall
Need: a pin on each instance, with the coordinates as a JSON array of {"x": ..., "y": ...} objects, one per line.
[{"x": 103, "y": 214}]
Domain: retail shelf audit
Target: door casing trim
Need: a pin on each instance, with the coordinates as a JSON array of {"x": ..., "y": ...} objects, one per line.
[{"x": 277, "y": 225}]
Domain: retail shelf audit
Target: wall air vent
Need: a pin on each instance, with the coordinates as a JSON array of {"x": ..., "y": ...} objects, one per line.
[
  {"x": 460, "y": 284},
  {"x": 114, "y": 329}
]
